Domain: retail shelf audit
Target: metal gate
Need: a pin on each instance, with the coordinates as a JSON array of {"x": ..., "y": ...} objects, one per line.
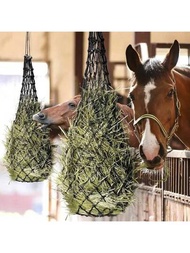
[{"x": 166, "y": 196}]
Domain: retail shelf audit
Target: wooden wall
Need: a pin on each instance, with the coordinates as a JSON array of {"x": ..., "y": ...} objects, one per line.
[{"x": 58, "y": 49}]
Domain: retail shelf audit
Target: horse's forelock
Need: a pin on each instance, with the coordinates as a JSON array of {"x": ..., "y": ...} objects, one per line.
[{"x": 150, "y": 69}]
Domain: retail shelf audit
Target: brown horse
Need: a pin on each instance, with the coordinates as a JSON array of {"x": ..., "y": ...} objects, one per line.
[
  {"x": 62, "y": 114},
  {"x": 161, "y": 104}
]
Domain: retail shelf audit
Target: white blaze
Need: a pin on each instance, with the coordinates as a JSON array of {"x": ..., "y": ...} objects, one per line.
[
  {"x": 149, "y": 142},
  {"x": 148, "y": 88}
]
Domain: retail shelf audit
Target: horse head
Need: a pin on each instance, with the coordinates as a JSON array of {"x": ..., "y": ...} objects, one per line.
[
  {"x": 58, "y": 115},
  {"x": 155, "y": 103}
]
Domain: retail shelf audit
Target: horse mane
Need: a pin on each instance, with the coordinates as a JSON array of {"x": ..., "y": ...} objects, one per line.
[{"x": 183, "y": 70}]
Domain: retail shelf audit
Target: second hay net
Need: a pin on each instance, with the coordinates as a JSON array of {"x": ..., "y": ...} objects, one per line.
[{"x": 98, "y": 174}]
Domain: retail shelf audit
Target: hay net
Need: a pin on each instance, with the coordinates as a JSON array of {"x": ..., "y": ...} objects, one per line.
[
  {"x": 96, "y": 64},
  {"x": 28, "y": 155},
  {"x": 97, "y": 178}
]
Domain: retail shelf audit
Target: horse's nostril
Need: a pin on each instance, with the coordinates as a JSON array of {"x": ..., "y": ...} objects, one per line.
[
  {"x": 141, "y": 152},
  {"x": 41, "y": 115},
  {"x": 156, "y": 160}
]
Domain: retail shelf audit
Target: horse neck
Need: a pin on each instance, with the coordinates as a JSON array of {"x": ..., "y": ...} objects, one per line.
[
  {"x": 182, "y": 83},
  {"x": 183, "y": 70},
  {"x": 183, "y": 91}
]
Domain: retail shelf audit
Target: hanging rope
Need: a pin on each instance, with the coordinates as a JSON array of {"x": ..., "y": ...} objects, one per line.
[
  {"x": 27, "y": 44},
  {"x": 97, "y": 178},
  {"x": 28, "y": 150}
]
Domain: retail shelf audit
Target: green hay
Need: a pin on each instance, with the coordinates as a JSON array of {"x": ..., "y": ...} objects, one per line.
[
  {"x": 98, "y": 175},
  {"x": 28, "y": 155}
]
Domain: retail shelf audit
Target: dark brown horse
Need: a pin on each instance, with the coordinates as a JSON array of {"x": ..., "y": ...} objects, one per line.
[
  {"x": 62, "y": 114},
  {"x": 161, "y": 103}
]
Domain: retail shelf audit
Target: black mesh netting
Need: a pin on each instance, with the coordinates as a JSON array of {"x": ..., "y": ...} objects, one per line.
[
  {"x": 28, "y": 155},
  {"x": 98, "y": 175},
  {"x": 96, "y": 64}
]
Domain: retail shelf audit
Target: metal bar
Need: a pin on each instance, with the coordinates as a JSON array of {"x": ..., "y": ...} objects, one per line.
[
  {"x": 179, "y": 154},
  {"x": 162, "y": 199}
]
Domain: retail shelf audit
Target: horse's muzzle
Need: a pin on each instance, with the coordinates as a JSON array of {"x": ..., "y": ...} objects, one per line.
[
  {"x": 42, "y": 119},
  {"x": 157, "y": 162}
]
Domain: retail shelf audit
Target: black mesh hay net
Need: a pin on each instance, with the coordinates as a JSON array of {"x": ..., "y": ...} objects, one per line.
[
  {"x": 96, "y": 64},
  {"x": 28, "y": 155},
  {"x": 98, "y": 175}
]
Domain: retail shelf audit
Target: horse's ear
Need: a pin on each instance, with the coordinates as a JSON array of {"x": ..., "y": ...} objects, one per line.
[
  {"x": 132, "y": 58},
  {"x": 171, "y": 58}
]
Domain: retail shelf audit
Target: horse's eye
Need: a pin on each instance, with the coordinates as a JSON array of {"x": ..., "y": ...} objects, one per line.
[
  {"x": 71, "y": 105},
  {"x": 171, "y": 93}
]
